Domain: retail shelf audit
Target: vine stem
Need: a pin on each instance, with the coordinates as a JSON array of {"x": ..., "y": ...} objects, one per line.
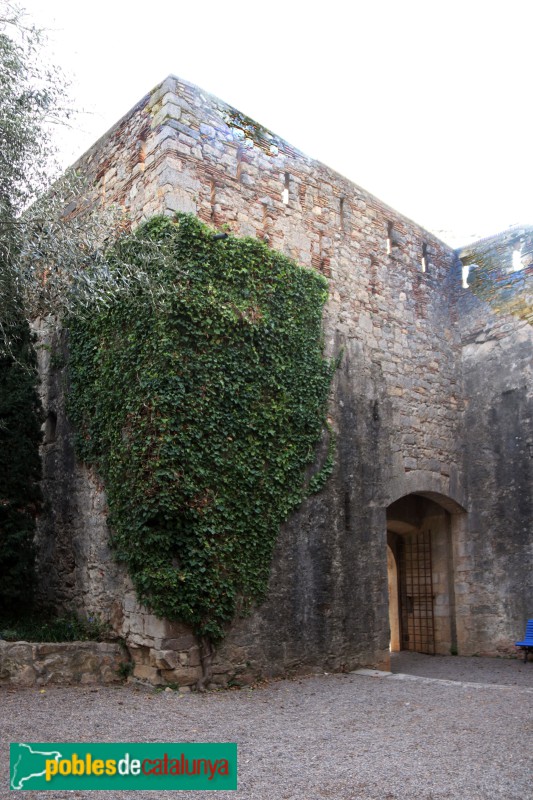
[{"x": 207, "y": 652}]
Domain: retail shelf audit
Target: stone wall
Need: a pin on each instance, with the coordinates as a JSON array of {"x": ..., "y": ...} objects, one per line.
[
  {"x": 494, "y": 567},
  {"x": 75, "y": 568},
  {"x": 42, "y": 664},
  {"x": 397, "y": 402}
]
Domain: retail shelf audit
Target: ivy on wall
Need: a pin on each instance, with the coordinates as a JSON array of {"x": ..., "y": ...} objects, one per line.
[
  {"x": 494, "y": 279},
  {"x": 200, "y": 397}
]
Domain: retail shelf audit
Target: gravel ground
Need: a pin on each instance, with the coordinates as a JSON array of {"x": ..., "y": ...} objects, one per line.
[
  {"x": 504, "y": 671},
  {"x": 342, "y": 737}
]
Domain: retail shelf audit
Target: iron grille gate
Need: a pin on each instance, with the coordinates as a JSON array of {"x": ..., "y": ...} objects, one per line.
[{"x": 416, "y": 593}]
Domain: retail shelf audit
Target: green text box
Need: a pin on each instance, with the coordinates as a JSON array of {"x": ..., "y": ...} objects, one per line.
[{"x": 157, "y": 766}]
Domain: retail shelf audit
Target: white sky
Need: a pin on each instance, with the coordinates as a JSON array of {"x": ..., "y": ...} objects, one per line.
[{"x": 425, "y": 104}]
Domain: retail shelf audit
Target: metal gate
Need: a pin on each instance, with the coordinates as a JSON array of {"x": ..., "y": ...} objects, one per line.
[{"x": 416, "y": 593}]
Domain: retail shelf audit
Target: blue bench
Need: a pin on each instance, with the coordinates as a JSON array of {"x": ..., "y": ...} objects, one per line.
[{"x": 527, "y": 644}]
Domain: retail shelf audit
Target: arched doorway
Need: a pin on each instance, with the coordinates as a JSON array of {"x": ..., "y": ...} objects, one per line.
[{"x": 420, "y": 576}]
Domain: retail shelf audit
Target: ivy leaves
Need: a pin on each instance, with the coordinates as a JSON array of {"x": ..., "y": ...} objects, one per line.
[{"x": 201, "y": 406}]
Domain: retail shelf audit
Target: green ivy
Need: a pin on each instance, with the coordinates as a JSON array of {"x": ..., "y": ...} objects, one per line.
[
  {"x": 201, "y": 402},
  {"x": 506, "y": 293}
]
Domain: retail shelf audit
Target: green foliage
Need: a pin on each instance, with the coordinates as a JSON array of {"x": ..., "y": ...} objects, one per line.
[
  {"x": 20, "y": 435},
  {"x": 31, "y": 97},
  {"x": 43, "y": 253},
  {"x": 52, "y": 629},
  {"x": 201, "y": 404},
  {"x": 46, "y": 244},
  {"x": 125, "y": 669},
  {"x": 249, "y": 128}
]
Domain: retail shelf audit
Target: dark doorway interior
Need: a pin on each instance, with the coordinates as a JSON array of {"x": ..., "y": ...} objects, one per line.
[
  {"x": 420, "y": 572},
  {"x": 416, "y": 593}
]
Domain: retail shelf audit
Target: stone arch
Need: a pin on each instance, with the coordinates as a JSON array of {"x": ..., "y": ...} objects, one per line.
[
  {"x": 444, "y": 490},
  {"x": 424, "y": 530}
]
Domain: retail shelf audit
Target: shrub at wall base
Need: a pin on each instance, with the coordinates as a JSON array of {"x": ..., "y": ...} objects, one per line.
[{"x": 20, "y": 470}]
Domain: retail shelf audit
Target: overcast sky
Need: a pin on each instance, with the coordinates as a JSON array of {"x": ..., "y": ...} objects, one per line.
[{"x": 425, "y": 104}]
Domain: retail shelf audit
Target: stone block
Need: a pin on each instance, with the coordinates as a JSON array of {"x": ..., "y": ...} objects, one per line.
[
  {"x": 134, "y": 623},
  {"x": 183, "y": 642},
  {"x": 184, "y": 128},
  {"x": 218, "y": 680},
  {"x": 21, "y": 652},
  {"x": 89, "y": 679},
  {"x": 110, "y": 674},
  {"x": 187, "y": 139},
  {"x": 146, "y": 673},
  {"x": 180, "y": 200},
  {"x": 164, "y": 659},
  {"x": 247, "y": 180},
  {"x": 233, "y": 654},
  {"x": 138, "y": 640},
  {"x": 182, "y": 148},
  {"x": 23, "y": 675},
  {"x": 168, "y": 87},
  {"x": 140, "y": 655},
  {"x": 186, "y": 676},
  {"x": 44, "y": 649},
  {"x": 170, "y": 175},
  {"x": 108, "y": 648},
  {"x": 130, "y": 603},
  {"x": 168, "y": 111},
  {"x": 153, "y": 627}
]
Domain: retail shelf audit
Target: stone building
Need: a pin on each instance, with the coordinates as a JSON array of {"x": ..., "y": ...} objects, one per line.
[{"x": 421, "y": 539}]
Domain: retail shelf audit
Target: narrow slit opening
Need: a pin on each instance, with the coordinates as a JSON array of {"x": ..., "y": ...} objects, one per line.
[
  {"x": 213, "y": 200},
  {"x": 50, "y": 425},
  {"x": 424, "y": 259},
  {"x": 285, "y": 193},
  {"x": 390, "y": 228}
]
